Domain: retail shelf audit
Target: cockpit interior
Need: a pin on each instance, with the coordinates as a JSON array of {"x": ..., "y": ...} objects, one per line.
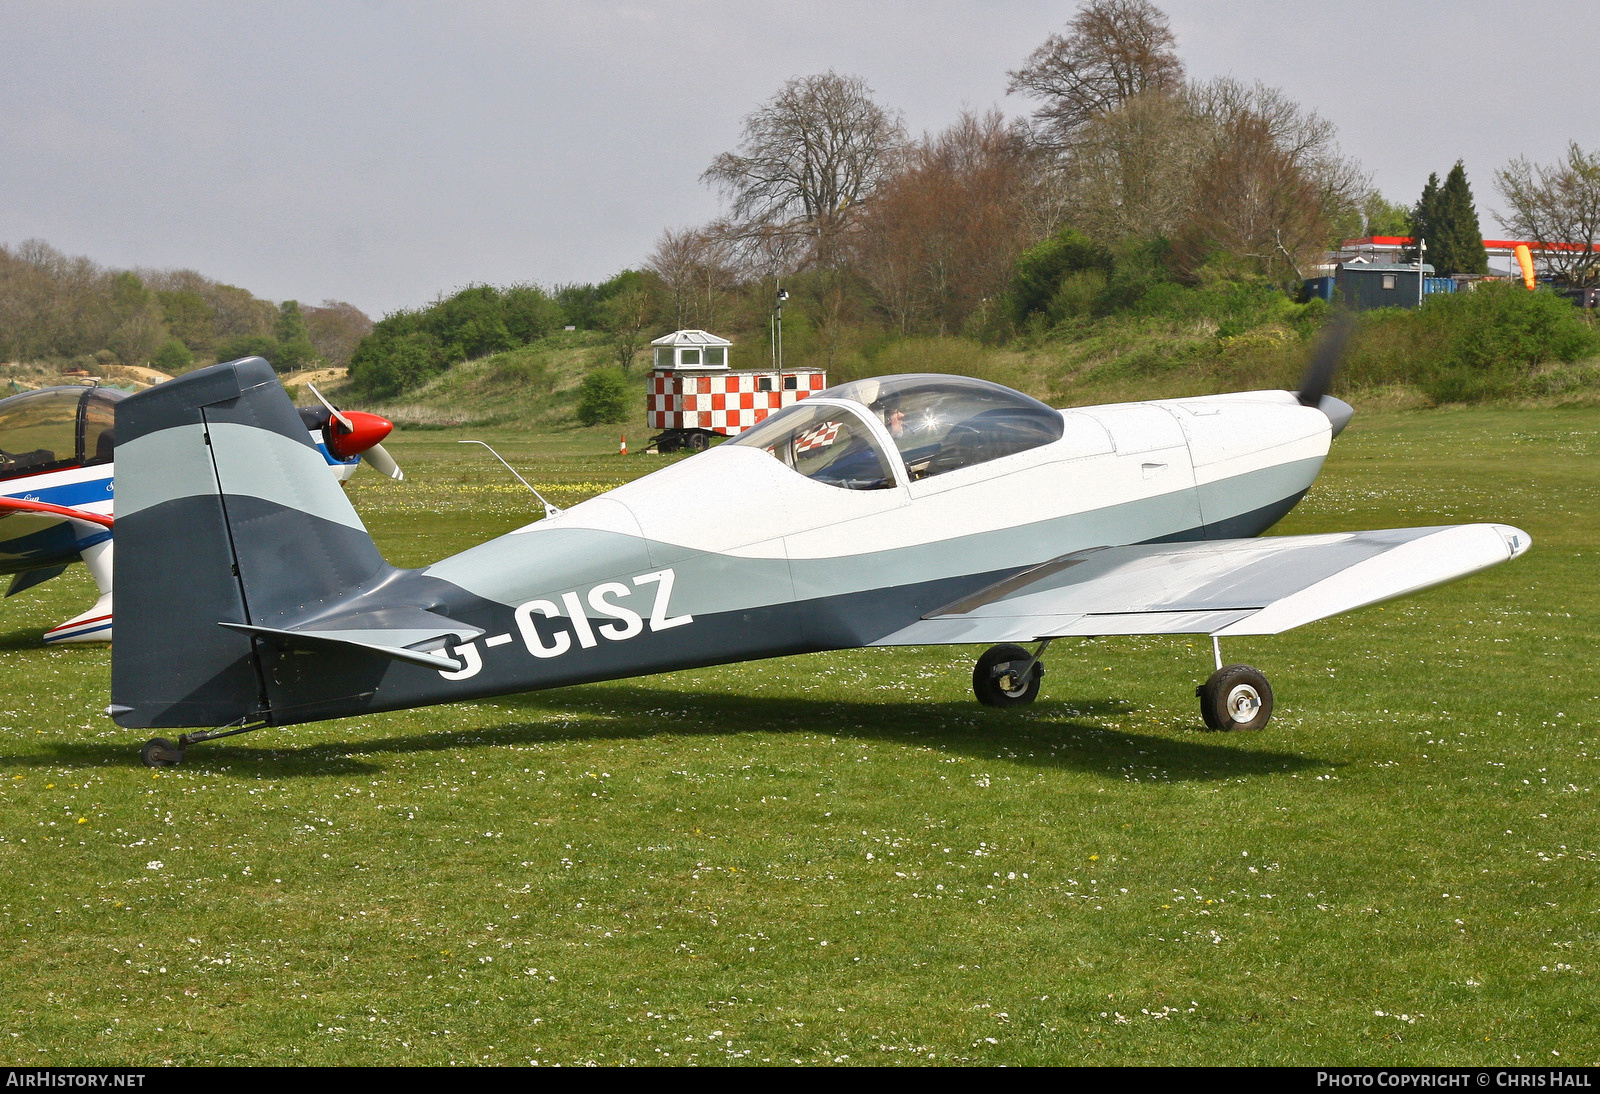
[
  {"x": 55, "y": 428},
  {"x": 939, "y": 424}
]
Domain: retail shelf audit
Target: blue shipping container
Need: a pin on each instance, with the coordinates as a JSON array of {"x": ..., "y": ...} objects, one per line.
[{"x": 1319, "y": 288}]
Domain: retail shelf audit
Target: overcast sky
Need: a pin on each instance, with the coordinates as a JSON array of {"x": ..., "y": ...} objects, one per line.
[{"x": 382, "y": 153}]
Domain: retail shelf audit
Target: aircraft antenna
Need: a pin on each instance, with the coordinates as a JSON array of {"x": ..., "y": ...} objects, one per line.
[{"x": 549, "y": 510}]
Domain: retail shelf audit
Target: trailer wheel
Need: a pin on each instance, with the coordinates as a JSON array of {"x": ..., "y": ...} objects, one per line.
[{"x": 699, "y": 442}]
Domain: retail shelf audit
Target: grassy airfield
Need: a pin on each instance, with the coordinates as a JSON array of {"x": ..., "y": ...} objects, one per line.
[{"x": 844, "y": 858}]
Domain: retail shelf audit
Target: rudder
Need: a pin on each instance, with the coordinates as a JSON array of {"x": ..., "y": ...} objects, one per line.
[{"x": 226, "y": 513}]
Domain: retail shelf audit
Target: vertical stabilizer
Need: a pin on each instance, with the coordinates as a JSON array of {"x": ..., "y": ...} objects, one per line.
[{"x": 226, "y": 513}]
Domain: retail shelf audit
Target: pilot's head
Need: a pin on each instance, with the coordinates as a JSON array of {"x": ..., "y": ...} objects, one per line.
[{"x": 894, "y": 418}]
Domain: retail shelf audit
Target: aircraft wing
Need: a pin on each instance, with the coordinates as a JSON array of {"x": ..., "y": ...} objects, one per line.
[
  {"x": 1221, "y": 587},
  {"x": 43, "y": 514},
  {"x": 22, "y": 518}
]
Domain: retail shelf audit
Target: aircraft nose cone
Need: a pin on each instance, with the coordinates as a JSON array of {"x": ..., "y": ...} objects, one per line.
[
  {"x": 1517, "y": 541},
  {"x": 1338, "y": 411},
  {"x": 365, "y": 431}
]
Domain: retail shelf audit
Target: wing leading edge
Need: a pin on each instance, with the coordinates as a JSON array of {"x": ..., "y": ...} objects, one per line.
[{"x": 1222, "y": 587}]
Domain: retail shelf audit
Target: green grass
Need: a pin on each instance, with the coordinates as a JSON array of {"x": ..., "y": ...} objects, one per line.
[{"x": 843, "y": 857}]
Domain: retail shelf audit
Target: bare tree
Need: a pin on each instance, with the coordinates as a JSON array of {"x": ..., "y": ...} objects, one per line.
[
  {"x": 55, "y": 305},
  {"x": 673, "y": 261},
  {"x": 1255, "y": 204},
  {"x": 1131, "y": 172},
  {"x": 28, "y": 299},
  {"x": 238, "y": 311},
  {"x": 715, "y": 273},
  {"x": 1555, "y": 205},
  {"x": 762, "y": 252},
  {"x": 1143, "y": 170},
  {"x": 943, "y": 231},
  {"x": 626, "y": 315},
  {"x": 335, "y": 329},
  {"x": 1309, "y": 140},
  {"x": 888, "y": 252},
  {"x": 806, "y": 161},
  {"x": 1112, "y": 51},
  {"x": 808, "y": 157},
  {"x": 695, "y": 268}
]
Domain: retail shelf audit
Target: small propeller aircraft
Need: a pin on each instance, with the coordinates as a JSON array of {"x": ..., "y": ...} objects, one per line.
[
  {"x": 902, "y": 510},
  {"x": 56, "y": 486}
]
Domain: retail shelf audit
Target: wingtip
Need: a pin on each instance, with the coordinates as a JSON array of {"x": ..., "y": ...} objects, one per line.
[{"x": 1517, "y": 541}]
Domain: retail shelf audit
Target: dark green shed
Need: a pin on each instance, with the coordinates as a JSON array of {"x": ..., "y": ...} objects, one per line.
[{"x": 1364, "y": 285}]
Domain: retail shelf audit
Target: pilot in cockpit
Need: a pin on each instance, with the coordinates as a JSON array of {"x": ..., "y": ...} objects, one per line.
[{"x": 894, "y": 419}]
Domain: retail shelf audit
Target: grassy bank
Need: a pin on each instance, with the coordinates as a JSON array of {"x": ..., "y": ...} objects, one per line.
[
  {"x": 531, "y": 387},
  {"x": 1499, "y": 346}
]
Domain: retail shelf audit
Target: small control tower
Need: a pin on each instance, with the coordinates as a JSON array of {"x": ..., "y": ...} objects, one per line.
[
  {"x": 690, "y": 349},
  {"x": 693, "y": 397}
]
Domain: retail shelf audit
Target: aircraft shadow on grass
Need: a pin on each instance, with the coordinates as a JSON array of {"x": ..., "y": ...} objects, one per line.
[
  {"x": 1060, "y": 735},
  {"x": 28, "y": 638}
]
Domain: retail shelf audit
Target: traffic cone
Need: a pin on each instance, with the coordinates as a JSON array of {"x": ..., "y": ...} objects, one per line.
[{"x": 624, "y": 450}]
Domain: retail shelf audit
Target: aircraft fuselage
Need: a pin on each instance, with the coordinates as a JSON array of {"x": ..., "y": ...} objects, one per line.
[{"x": 731, "y": 555}]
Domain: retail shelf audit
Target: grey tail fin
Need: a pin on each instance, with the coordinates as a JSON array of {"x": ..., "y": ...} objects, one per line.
[{"x": 226, "y": 514}]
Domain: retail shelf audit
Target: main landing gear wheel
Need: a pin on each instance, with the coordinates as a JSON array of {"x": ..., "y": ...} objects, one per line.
[
  {"x": 1235, "y": 697},
  {"x": 997, "y": 678},
  {"x": 161, "y": 752}
]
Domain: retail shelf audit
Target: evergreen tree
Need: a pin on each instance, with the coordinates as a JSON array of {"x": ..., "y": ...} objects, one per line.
[
  {"x": 1446, "y": 217},
  {"x": 1423, "y": 218},
  {"x": 291, "y": 325},
  {"x": 294, "y": 349},
  {"x": 1460, "y": 239}
]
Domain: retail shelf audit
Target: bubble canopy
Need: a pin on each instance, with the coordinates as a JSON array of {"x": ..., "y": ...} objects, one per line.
[
  {"x": 56, "y": 427},
  {"x": 938, "y": 423},
  {"x": 944, "y": 423}
]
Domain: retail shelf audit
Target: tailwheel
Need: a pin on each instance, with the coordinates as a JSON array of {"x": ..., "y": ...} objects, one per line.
[
  {"x": 1236, "y": 697},
  {"x": 1007, "y": 676},
  {"x": 160, "y": 752}
]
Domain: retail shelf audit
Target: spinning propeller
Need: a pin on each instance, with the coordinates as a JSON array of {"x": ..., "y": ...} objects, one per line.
[
  {"x": 351, "y": 433},
  {"x": 1326, "y": 358}
]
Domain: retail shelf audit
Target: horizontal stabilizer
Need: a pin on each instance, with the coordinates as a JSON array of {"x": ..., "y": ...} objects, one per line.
[
  {"x": 27, "y": 579},
  {"x": 413, "y": 635},
  {"x": 1221, "y": 587}
]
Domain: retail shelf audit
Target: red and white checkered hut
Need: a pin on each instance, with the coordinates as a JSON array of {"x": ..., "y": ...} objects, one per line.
[{"x": 692, "y": 394}]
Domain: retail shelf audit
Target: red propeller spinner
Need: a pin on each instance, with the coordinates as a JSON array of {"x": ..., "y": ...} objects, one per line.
[{"x": 355, "y": 431}]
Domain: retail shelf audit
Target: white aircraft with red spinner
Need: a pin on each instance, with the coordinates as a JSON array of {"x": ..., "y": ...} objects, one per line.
[
  {"x": 57, "y": 483},
  {"x": 902, "y": 510}
]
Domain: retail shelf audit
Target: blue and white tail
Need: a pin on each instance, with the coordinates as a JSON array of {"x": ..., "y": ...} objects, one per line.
[{"x": 228, "y": 524}]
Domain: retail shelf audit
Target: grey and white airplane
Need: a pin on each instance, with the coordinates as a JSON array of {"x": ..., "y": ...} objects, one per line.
[{"x": 904, "y": 510}]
